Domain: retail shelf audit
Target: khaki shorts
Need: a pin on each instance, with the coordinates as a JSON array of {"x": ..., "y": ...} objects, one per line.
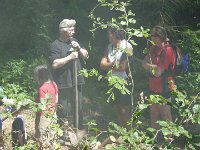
[{"x": 41, "y": 126}]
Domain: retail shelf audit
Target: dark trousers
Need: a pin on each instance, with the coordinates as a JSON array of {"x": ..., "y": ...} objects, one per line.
[{"x": 66, "y": 96}]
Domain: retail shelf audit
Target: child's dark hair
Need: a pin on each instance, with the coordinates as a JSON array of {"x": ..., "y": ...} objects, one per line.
[
  {"x": 118, "y": 32},
  {"x": 160, "y": 32},
  {"x": 43, "y": 73}
]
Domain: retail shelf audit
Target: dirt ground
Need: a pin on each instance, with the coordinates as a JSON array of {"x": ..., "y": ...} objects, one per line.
[{"x": 91, "y": 112}]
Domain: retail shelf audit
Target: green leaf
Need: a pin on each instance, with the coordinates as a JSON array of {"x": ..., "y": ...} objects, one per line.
[
  {"x": 93, "y": 140},
  {"x": 130, "y": 13},
  {"x": 113, "y": 96},
  {"x": 100, "y": 77},
  {"x": 166, "y": 131},
  {"x": 94, "y": 129},
  {"x": 163, "y": 123},
  {"x": 131, "y": 20},
  {"x": 123, "y": 23},
  {"x": 109, "y": 91},
  {"x": 143, "y": 106},
  {"x": 113, "y": 20},
  {"x": 135, "y": 136},
  {"x": 196, "y": 108},
  {"x": 118, "y": 86},
  {"x": 151, "y": 129},
  {"x": 133, "y": 42}
]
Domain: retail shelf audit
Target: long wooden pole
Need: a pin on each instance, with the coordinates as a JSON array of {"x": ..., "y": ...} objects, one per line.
[{"x": 76, "y": 95}]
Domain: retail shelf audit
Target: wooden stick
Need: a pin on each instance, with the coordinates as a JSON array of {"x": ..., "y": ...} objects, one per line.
[
  {"x": 97, "y": 145},
  {"x": 13, "y": 113},
  {"x": 76, "y": 96},
  {"x": 109, "y": 140}
]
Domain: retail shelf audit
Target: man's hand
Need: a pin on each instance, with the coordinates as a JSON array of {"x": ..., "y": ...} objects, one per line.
[
  {"x": 84, "y": 53},
  {"x": 75, "y": 45},
  {"x": 74, "y": 55}
]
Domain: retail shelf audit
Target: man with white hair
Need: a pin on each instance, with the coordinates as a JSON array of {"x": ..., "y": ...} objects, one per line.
[{"x": 63, "y": 52}]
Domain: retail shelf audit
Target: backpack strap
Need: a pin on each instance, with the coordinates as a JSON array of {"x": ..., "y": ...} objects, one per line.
[{"x": 167, "y": 73}]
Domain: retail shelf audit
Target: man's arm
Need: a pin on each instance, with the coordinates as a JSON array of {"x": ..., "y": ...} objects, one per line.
[
  {"x": 54, "y": 57},
  {"x": 60, "y": 62}
]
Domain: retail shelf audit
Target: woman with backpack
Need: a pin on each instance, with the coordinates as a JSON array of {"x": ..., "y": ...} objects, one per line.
[{"x": 160, "y": 62}]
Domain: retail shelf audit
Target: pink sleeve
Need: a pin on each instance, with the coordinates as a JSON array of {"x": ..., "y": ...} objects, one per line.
[{"x": 56, "y": 87}]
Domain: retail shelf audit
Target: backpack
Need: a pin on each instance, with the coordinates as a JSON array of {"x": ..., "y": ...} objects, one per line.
[
  {"x": 18, "y": 128},
  {"x": 181, "y": 61}
]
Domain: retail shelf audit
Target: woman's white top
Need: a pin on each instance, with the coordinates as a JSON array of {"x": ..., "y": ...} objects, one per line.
[{"x": 116, "y": 55}]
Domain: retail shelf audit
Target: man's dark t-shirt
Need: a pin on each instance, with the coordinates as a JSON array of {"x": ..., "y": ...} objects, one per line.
[{"x": 64, "y": 76}]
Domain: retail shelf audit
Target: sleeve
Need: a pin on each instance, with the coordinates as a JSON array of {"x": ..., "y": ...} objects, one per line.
[
  {"x": 129, "y": 52},
  {"x": 54, "y": 52}
]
